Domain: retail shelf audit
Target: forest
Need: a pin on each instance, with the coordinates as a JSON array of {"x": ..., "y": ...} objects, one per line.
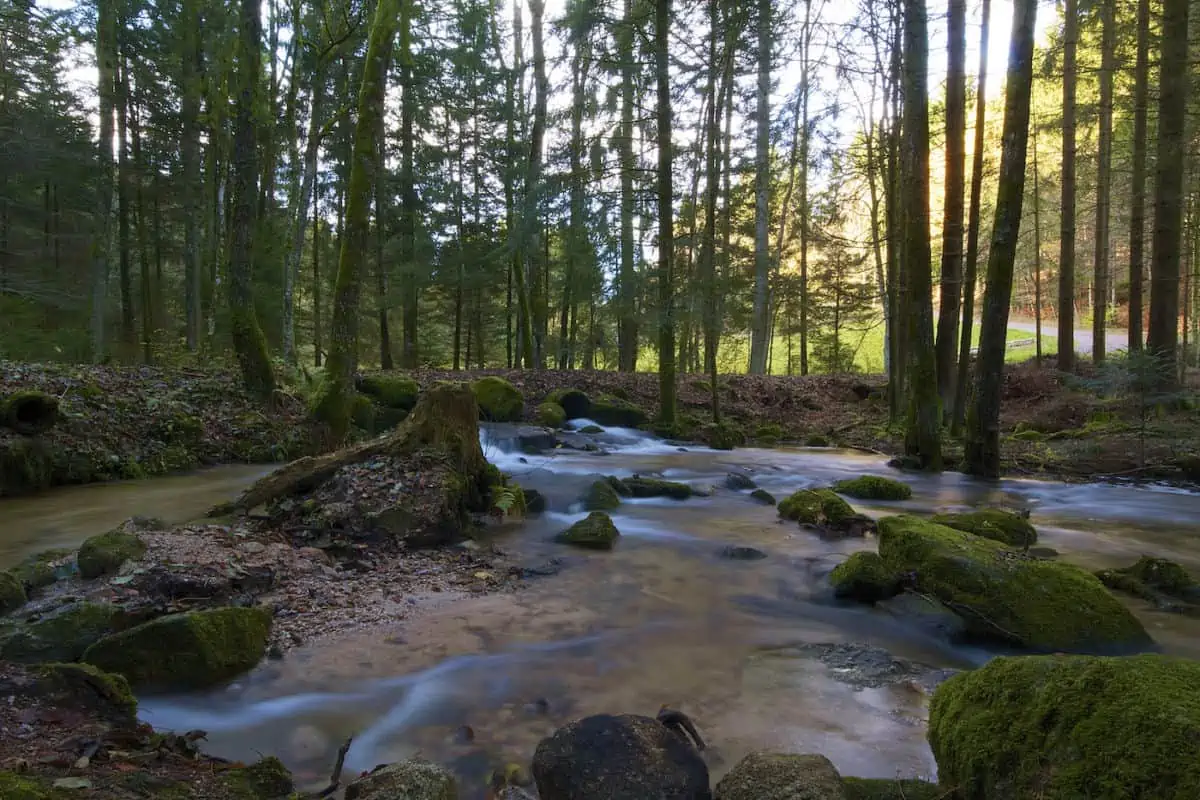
[{"x": 667, "y": 186}]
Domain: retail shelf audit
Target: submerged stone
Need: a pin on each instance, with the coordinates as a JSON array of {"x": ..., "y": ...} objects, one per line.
[
  {"x": 595, "y": 532},
  {"x": 656, "y": 487},
  {"x": 992, "y": 523},
  {"x": 1069, "y": 727},
  {"x": 763, "y": 496},
  {"x": 1002, "y": 595},
  {"x": 186, "y": 651},
  {"x": 781, "y": 776},
  {"x": 623, "y": 757},
  {"x": 734, "y": 552},
  {"x": 739, "y": 482},
  {"x": 104, "y": 554},
  {"x": 873, "y": 487}
]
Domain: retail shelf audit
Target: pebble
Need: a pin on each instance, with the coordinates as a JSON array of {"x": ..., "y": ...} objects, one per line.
[{"x": 252, "y": 548}]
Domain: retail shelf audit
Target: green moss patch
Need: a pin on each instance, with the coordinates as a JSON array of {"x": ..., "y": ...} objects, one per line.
[
  {"x": 723, "y": 436},
  {"x": 992, "y": 523},
  {"x": 865, "y": 578},
  {"x": 815, "y": 507},
  {"x": 601, "y": 496},
  {"x": 62, "y": 635},
  {"x": 608, "y": 409},
  {"x": 575, "y": 404},
  {"x": 28, "y": 787},
  {"x": 873, "y": 487},
  {"x": 656, "y": 487},
  {"x": 104, "y": 554},
  {"x": 85, "y": 686},
  {"x": 596, "y": 532},
  {"x": 1064, "y": 728},
  {"x": 12, "y": 593},
  {"x": 892, "y": 789},
  {"x": 264, "y": 779},
  {"x": 551, "y": 415},
  {"x": 391, "y": 391},
  {"x": 499, "y": 400},
  {"x": 763, "y": 496},
  {"x": 186, "y": 651},
  {"x": 1004, "y": 595}
]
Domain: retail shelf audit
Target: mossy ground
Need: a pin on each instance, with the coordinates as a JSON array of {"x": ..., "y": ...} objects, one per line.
[
  {"x": 892, "y": 789},
  {"x": 1001, "y": 594},
  {"x": 1064, "y": 728}
]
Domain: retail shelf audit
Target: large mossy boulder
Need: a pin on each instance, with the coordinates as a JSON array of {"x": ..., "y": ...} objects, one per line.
[
  {"x": 44, "y": 568},
  {"x": 657, "y": 487},
  {"x": 12, "y": 593},
  {"x": 29, "y": 412},
  {"x": 601, "y": 496},
  {"x": 104, "y": 554},
  {"x": 406, "y": 780},
  {"x": 1155, "y": 574},
  {"x": 391, "y": 391},
  {"x": 63, "y": 634},
  {"x": 625, "y": 757},
  {"x": 865, "y": 578},
  {"x": 82, "y": 686},
  {"x": 499, "y": 400},
  {"x": 595, "y": 532},
  {"x": 992, "y": 523},
  {"x": 873, "y": 487},
  {"x": 892, "y": 789},
  {"x": 814, "y": 507},
  {"x": 186, "y": 651},
  {"x": 723, "y": 436},
  {"x": 781, "y": 776},
  {"x": 1003, "y": 595},
  {"x": 267, "y": 779},
  {"x": 574, "y": 403},
  {"x": 608, "y": 409},
  {"x": 551, "y": 415},
  {"x": 1070, "y": 727}
]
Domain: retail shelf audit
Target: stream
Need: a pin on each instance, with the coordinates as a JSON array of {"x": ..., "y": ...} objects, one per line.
[{"x": 663, "y": 619}]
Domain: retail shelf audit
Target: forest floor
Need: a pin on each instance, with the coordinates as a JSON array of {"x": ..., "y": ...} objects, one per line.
[{"x": 135, "y": 422}]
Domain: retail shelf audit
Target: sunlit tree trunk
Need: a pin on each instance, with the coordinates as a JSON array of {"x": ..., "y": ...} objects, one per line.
[
  {"x": 1066, "y": 257},
  {"x": 922, "y": 439},
  {"x": 952, "y": 223},
  {"x": 1163, "y": 334},
  {"x": 982, "y": 450},
  {"x": 760, "y": 328},
  {"x": 1037, "y": 253},
  {"x": 1137, "y": 201},
  {"x": 1103, "y": 180}
]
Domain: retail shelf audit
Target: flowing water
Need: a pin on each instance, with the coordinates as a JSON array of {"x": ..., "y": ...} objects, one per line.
[{"x": 663, "y": 619}]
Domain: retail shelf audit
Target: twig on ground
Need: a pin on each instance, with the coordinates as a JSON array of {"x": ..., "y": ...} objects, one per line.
[{"x": 335, "y": 780}]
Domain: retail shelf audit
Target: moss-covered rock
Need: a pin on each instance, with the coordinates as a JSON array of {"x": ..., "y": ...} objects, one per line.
[
  {"x": 1001, "y": 594},
  {"x": 601, "y": 496},
  {"x": 768, "y": 431},
  {"x": 992, "y": 523},
  {"x": 14, "y": 786},
  {"x": 1064, "y": 728},
  {"x": 595, "y": 532},
  {"x": 63, "y": 634},
  {"x": 785, "y": 776},
  {"x": 551, "y": 415},
  {"x": 362, "y": 413},
  {"x": 608, "y": 409},
  {"x": 391, "y": 391},
  {"x": 892, "y": 789},
  {"x": 82, "y": 686},
  {"x": 873, "y": 487},
  {"x": 574, "y": 403},
  {"x": 656, "y": 487},
  {"x": 618, "y": 486},
  {"x": 815, "y": 507},
  {"x": 739, "y": 482},
  {"x": 186, "y": 651},
  {"x": 12, "y": 593},
  {"x": 865, "y": 578},
  {"x": 499, "y": 400},
  {"x": 816, "y": 440},
  {"x": 267, "y": 779},
  {"x": 29, "y": 412},
  {"x": 1163, "y": 576},
  {"x": 407, "y": 780},
  {"x": 26, "y": 465},
  {"x": 591, "y": 430},
  {"x": 723, "y": 436},
  {"x": 104, "y": 554},
  {"x": 763, "y": 496}
]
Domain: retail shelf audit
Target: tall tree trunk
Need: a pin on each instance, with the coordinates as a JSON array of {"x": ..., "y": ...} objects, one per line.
[
  {"x": 760, "y": 327},
  {"x": 922, "y": 440},
  {"x": 1037, "y": 254},
  {"x": 518, "y": 213},
  {"x": 1108, "y": 48},
  {"x": 1066, "y": 257},
  {"x": 291, "y": 267},
  {"x": 1137, "y": 212},
  {"x": 316, "y": 274},
  {"x": 409, "y": 355},
  {"x": 190, "y": 57},
  {"x": 982, "y": 451},
  {"x": 106, "y": 57},
  {"x": 532, "y": 221},
  {"x": 249, "y": 344},
  {"x": 333, "y": 407},
  {"x": 1163, "y": 333},
  {"x": 381, "y": 236},
  {"x": 577, "y": 241},
  {"x": 897, "y": 379},
  {"x": 666, "y": 211},
  {"x": 708, "y": 246},
  {"x": 972, "y": 263},
  {"x": 145, "y": 286},
  {"x": 952, "y": 222},
  {"x": 627, "y": 332},
  {"x": 123, "y": 241}
]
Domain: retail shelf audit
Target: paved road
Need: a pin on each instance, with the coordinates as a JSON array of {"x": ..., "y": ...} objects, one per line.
[{"x": 1115, "y": 339}]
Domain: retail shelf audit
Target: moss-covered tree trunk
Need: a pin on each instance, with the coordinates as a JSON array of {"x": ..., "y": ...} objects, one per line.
[
  {"x": 922, "y": 439},
  {"x": 249, "y": 344},
  {"x": 334, "y": 401},
  {"x": 982, "y": 454}
]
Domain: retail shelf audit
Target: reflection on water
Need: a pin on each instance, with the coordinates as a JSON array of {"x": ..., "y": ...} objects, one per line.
[
  {"x": 661, "y": 620},
  {"x": 65, "y": 517}
]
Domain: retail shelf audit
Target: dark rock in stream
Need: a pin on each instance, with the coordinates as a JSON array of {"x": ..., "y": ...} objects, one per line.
[
  {"x": 739, "y": 482},
  {"x": 625, "y": 757},
  {"x": 926, "y": 613},
  {"x": 867, "y": 667},
  {"x": 735, "y": 552}
]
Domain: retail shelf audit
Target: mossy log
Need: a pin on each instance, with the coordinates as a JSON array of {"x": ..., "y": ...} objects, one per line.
[
  {"x": 445, "y": 419},
  {"x": 28, "y": 412}
]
